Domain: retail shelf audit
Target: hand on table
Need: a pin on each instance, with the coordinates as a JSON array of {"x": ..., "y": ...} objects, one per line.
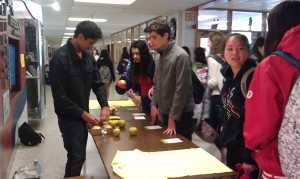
[{"x": 171, "y": 130}]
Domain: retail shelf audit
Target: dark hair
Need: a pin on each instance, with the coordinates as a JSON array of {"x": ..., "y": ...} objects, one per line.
[
  {"x": 124, "y": 49},
  {"x": 200, "y": 55},
  {"x": 104, "y": 59},
  {"x": 96, "y": 51},
  {"x": 187, "y": 50},
  {"x": 89, "y": 30},
  {"x": 125, "y": 55},
  {"x": 258, "y": 43},
  {"x": 160, "y": 26},
  {"x": 241, "y": 37},
  {"x": 217, "y": 40},
  {"x": 141, "y": 68},
  {"x": 282, "y": 17},
  {"x": 104, "y": 53}
]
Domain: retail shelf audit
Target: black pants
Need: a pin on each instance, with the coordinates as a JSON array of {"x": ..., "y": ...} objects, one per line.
[
  {"x": 216, "y": 115},
  {"x": 184, "y": 126},
  {"x": 215, "y": 112},
  {"x": 74, "y": 134}
]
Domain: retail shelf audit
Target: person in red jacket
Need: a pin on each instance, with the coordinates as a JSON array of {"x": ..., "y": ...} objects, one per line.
[{"x": 270, "y": 87}]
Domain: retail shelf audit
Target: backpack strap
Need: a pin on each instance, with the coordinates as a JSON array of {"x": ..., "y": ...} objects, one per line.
[
  {"x": 42, "y": 136},
  {"x": 218, "y": 59},
  {"x": 244, "y": 87},
  {"x": 288, "y": 57}
]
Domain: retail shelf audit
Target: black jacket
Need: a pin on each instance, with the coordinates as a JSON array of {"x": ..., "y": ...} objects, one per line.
[
  {"x": 233, "y": 105},
  {"x": 72, "y": 81}
]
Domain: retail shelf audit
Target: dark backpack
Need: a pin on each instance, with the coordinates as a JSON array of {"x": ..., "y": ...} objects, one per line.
[
  {"x": 28, "y": 136},
  {"x": 105, "y": 74},
  {"x": 198, "y": 88}
]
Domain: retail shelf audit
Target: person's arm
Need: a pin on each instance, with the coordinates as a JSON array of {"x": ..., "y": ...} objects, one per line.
[
  {"x": 213, "y": 73},
  {"x": 100, "y": 91},
  {"x": 183, "y": 85},
  {"x": 127, "y": 77}
]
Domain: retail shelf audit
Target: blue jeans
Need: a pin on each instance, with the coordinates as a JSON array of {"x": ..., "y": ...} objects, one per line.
[
  {"x": 74, "y": 134},
  {"x": 185, "y": 126}
]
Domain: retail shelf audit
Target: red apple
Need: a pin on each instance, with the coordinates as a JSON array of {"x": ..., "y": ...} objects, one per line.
[{"x": 122, "y": 84}]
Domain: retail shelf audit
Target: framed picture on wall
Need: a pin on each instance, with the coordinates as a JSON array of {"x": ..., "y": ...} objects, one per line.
[{"x": 190, "y": 16}]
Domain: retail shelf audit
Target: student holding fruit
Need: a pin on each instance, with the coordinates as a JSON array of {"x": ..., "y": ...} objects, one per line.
[{"x": 141, "y": 74}]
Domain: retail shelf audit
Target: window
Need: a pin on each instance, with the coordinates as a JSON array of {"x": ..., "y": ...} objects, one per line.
[
  {"x": 246, "y": 21},
  {"x": 212, "y": 19}
]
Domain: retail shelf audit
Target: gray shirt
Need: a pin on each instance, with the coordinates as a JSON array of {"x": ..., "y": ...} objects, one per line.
[{"x": 172, "y": 89}]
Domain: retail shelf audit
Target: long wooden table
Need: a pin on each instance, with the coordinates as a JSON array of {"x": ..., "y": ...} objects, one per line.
[{"x": 145, "y": 140}]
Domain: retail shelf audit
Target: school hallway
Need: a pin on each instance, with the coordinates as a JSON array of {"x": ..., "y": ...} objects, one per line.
[{"x": 52, "y": 155}]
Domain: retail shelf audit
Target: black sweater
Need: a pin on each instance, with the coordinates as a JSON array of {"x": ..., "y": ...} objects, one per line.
[{"x": 233, "y": 104}]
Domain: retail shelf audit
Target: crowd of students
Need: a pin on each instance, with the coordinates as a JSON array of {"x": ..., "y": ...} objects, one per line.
[{"x": 248, "y": 126}]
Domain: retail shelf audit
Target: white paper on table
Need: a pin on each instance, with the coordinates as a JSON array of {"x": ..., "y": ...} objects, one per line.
[
  {"x": 171, "y": 141},
  {"x": 132, "y": 109},
  {"x": 153, "y": 127},
  {"x": 166, "y": 164},
  {"x": 138, "y": 114},
  {"x": 139, "y": 117}
]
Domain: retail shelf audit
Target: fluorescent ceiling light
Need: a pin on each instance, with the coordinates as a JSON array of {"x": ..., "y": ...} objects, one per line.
[
  {"x": 70, "y": 28},
  {"x": 122, "y": 2},
  {"x": 90, "y": 19},
  {"x": 68, "y": 33},
  {"x": 55, "y": 6},
  {"x": 19, "y": 6}
]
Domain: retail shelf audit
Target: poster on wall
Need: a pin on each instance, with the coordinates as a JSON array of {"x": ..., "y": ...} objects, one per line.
[{"x": 6, "y": 106}]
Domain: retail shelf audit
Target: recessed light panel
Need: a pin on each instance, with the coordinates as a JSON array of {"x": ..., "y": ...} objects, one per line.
[
  {"x": 122, "y": 2},
  {"x": 90, "y": 19}
]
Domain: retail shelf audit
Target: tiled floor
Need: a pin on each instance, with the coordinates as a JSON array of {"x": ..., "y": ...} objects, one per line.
[{"x": 52, "y": 155}]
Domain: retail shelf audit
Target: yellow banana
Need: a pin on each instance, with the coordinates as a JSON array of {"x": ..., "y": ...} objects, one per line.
[{"x": 114, "y": 118}]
